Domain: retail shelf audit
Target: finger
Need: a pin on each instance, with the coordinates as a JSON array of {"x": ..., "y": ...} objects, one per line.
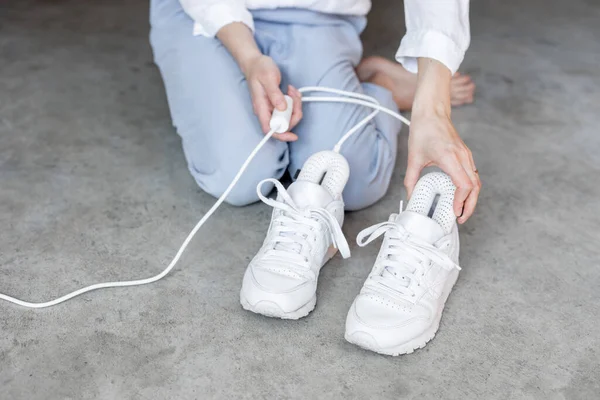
[
  {"x": 413, "y": 171},
  {"x": 452, "y": 166},
  {"x": 468, "y": 163},
  {"x": 470, "y": 203},
  {"x": 262, "y": 108},
  {"x": 261, "y": 105},
  {"x": 297, "y": 110},
  {"x": 275, "y": 95},
  {"x": 286, "y": 137}
]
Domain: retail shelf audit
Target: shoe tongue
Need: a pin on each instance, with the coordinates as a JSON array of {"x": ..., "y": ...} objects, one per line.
[
  {"x": 305, "y": 194},
  {"x": 309, "y": 194},
  {"x": 421, "y": 226}
]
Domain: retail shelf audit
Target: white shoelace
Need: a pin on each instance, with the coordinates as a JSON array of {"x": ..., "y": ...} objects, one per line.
[
  {"x": 294, "y": 232},
  {"x": 404, "y": 260}
]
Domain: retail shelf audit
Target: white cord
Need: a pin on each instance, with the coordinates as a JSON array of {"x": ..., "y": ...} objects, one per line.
[
  {"x": 353, "y": 98},
  {"x": 171, "y": 264},
  {"x": 359, "y": 96}
]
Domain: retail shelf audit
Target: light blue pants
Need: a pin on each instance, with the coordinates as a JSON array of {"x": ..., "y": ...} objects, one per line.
[{"x": 212, "y": 111}]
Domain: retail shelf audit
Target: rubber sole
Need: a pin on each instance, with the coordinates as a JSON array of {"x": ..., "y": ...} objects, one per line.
[
  {"x": 271, "y": 309},
  {"x": 368, "y": 342}
]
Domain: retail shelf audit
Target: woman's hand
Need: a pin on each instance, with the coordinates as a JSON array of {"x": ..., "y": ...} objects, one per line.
[
  {"x": 434, "y": 141},
  {"x": 263, "y": 77}
]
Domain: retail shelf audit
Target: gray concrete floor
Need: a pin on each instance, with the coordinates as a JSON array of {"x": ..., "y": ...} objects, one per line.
[{"x": 93, "y": 187}]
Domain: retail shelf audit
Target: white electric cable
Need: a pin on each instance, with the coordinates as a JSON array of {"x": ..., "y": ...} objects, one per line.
[
  {"x": 360, "y": 96},
  {"x": 354, "y": 98},
  {"x": 154, "y": 278},
  {"x": 360, "y": 102}
]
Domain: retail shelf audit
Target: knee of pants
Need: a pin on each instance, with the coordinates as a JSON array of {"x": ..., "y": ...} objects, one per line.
[
  {"x": 359, "y": 193},
  {"x": 369, "y": 178},
  {"x": 269, "y": 162}
]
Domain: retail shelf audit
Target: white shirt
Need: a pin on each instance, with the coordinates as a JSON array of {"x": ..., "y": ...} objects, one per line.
[{"x": 437, "y": 29}]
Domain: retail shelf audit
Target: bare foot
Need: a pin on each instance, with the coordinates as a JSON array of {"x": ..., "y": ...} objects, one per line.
[{"x": 403, "y": 84}]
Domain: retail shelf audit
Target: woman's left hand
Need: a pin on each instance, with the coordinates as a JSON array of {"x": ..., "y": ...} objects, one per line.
[{"x": 434, "y": 141}]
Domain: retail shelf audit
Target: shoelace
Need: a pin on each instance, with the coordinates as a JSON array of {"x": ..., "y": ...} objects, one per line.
[
  {"x": 294, "y": 232},
  {"x": 404, "y": 258}
]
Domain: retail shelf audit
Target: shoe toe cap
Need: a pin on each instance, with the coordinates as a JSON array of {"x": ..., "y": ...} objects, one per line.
[
  {"x": 383, "y": 322},
  {"x": 287, "y": 293}
]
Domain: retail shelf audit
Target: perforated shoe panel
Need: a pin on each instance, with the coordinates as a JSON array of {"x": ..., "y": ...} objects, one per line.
[
  {"x": 423, "y": 197},
  {"x": 329, "y": 166}
]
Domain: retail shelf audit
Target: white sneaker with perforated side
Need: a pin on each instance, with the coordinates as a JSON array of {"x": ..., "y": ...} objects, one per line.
[
  {"x": 305, "y": 232},
  {"x": 400, "y": 304}
]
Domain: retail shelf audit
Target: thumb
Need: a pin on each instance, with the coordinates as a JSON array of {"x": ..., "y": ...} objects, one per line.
[{"x": 413, "y": 171}]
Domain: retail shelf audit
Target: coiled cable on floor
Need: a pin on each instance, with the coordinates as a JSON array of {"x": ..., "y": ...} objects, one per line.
[{"x": 343, "y": 97}]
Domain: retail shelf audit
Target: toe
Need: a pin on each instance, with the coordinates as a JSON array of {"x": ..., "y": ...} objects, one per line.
[
  {"x": 464, "y": 89},
  {"x": 461, "y": 80},
  {"x": 462, "y": 94}
]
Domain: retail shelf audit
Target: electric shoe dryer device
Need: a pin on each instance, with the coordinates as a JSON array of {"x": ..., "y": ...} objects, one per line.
[
  {"x": 331, "y": 185},
  {"x": 305, "y": 232},
  {"x": 400, "y": 304}
]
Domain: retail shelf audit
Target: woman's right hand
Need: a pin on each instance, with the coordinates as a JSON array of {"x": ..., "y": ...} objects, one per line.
[{"x": 263, "y": 77}]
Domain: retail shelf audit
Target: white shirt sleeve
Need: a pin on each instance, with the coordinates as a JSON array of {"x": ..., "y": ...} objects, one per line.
[
  {"x": 437, "y": 29},
  {"x": 211, "y": 15}
]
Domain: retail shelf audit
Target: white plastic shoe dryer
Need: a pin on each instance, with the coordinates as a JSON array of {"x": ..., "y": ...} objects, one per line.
[{"x": 304, "y": 234}]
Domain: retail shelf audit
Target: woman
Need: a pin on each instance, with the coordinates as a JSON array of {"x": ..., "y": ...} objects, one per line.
[{"x": 224, "y": 64}]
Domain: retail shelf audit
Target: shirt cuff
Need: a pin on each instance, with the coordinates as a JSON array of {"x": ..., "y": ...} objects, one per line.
[
  {"x": 430, "y": 44},
  {"x": 219, "y": 15}
]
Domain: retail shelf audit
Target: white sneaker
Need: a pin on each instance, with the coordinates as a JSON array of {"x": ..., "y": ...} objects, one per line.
[
  {"x": 400, "y": 305},
  {"x": 305, "y": 232}
]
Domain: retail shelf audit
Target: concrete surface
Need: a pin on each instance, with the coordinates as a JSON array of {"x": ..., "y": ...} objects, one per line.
[{"x": 93, "y": 187}]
